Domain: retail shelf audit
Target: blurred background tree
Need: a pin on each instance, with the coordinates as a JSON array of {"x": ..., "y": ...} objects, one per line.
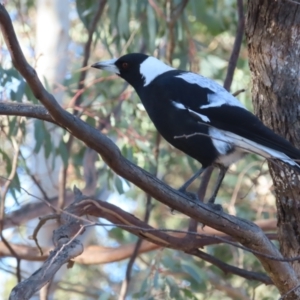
[{"x": 66, "y": 36}]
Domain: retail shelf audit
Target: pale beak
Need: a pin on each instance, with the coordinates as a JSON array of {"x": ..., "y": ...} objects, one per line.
[{"x": 108, "y": 65}]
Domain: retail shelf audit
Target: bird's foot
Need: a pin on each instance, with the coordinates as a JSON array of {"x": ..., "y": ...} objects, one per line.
[
  {"x": 211, "y": 203},
  {"x": 214, "y": 206},
  {"x": 193, "y": 196}
]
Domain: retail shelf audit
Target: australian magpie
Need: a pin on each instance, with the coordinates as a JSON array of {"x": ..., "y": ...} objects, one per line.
[{"x": 198, "y": 116}]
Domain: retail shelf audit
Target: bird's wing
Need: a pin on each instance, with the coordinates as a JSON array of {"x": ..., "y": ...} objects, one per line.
[
  {"x": 240, "y": 122},
  {"x": 211, "y": 104},
  {"x": 216, "y": 94}
]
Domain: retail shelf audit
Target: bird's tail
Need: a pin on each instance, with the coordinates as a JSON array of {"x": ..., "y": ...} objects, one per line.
[{"x": 283, "y": 151}]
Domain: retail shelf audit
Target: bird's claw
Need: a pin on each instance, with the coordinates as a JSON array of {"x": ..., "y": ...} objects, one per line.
[
  {"x": 216, "y": 207},
  {"x": 193, "y": 196}
]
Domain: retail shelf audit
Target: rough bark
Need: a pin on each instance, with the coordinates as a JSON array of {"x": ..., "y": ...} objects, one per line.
[{"x": 273, "y": 35}]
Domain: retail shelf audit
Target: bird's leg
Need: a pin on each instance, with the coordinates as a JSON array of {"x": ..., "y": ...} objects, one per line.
[
  {"x": 193, "y": 224},
  {"x": 221, "y": 176},
  {"x": 191, "y": 180}
]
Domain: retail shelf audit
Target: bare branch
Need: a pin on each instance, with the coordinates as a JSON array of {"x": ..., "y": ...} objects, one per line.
[
  {"x": 226, "y": 268},
  {"x": 38, "y": 279},
  {"x": 25, "y": 110},
  {"x": 157, "y": 9},
  {"x": 66, "y": 248},
  {"x": 3, "y": 193},
  {"x": 236, "y": 46},
  {"x": 178, "y": 11},
  {"x": 92, "y": 255},
  {"x": 87, "y": 48},
  {"x": 126, "y": 281}
]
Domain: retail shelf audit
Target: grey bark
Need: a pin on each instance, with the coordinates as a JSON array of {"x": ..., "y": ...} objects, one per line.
[{"x": 273, "y": 35}]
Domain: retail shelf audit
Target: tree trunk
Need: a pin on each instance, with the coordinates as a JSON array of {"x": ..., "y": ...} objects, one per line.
[{"x": 273, "y": 35}]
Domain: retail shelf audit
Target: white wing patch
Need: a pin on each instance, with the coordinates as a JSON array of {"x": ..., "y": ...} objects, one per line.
[
  {"x": 151, "y": 67},
  {"x": 219, "y": 97},
  {"x": 222, "y": 143},
  {"x": 178, "y": 105},
  {"x": 201, "y": 116},
  {"x": 225, "y": 140}
]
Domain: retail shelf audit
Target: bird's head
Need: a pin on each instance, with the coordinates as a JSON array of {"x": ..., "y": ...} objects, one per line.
[{"x": 136, "y": 68}]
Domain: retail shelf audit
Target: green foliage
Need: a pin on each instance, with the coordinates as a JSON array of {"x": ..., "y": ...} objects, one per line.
[{"x": 86, "y": 10}]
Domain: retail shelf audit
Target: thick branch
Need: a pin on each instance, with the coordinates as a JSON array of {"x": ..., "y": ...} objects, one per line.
[{"x": 25, "y": 110}]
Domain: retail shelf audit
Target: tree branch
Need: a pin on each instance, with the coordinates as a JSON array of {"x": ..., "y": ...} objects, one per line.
[
  {"x": 155, "y": 237},
  {"x": 226, "y": 268},
  {"x": 25, "y": 110},
  {"x": 91, "y": 253},
  {"x": 66, "y": 248},
  {"x": 236, "y": 46},
  {"x": 135, "y": 252},
  {"x": 87, "y": 49}
]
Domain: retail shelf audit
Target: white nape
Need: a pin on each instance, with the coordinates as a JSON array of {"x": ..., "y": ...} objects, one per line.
[{"x": 151, "y": 67}]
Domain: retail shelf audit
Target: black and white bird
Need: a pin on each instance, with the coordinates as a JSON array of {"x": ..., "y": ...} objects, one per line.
[{"x": 182, "y": 103}]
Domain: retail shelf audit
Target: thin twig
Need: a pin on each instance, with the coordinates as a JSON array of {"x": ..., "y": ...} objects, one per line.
[
  {"x": 126, "y": 281},
  {"x": 80, "y": 87},
  {"x": 4, "y": 191},
  {"x": 226, "y": 268},
  {"x": 231, "y": 205},
  {"x": 290, "y": 291},
  {"x": 236, "y": 46},
  {"x": 157, "y": 9},
  {"x": 36, "y": 182},
  {"x": 176, "y": 13},
  {"x": 87, "y": 48}
]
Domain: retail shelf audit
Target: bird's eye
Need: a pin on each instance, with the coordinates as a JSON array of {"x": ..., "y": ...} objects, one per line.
[{"x": 125, "y": 65}]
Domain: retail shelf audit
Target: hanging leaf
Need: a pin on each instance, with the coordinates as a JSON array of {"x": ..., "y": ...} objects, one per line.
[
  {"x": 63, "y": 152},
  {"x": 119, "y": 185},
  {"x": 152, "y": 28},
  {"x": 38, "y": 135},
  {"x": 86, "y": 10}
]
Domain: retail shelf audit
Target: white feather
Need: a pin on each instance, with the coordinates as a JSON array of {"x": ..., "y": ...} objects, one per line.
[
  {"x": 225, "y": 140},
  {"x": 178, "y": 105},
  {"x": 222, "y": 143},
  {"x": 201, "y": 116},
  {"x": 151, "y": 67},
  {"x": 219, "y": 97}
]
